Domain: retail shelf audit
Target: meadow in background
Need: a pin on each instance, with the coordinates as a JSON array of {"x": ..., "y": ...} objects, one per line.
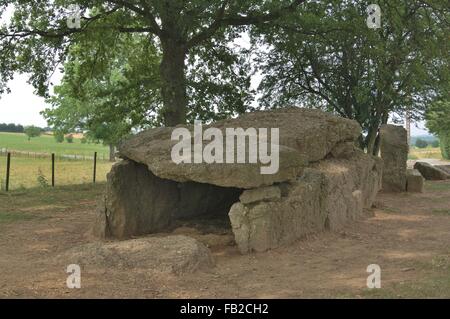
[{"x": 31, "y": 161}]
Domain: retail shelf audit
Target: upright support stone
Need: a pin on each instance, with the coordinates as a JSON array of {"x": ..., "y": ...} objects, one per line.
[
  {"x": 394, "y": 153},
  {"x": 136, "y": 202},
  {"x": 415, "y": 181}
]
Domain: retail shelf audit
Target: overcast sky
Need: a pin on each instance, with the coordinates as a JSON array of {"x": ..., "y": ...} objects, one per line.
[{"x": 22, "y": 106}]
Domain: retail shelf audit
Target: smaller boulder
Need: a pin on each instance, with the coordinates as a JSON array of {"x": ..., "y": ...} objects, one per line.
[
  {"x": 414, "y": 181},
  {"x": 445, "y": 168},
  {"x": 430, "y": 172},
  {"x": 171, "y": 254}
]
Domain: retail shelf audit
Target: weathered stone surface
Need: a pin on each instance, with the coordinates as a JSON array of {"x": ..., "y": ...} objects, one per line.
[
  {"x": 328, "y": 195},
  {"x": 268, "y": 193},
  {"x": 445, "y": 168},
  {"x": 343, "y": 150},
  {"x": 431, "y": 172},
  {"x": 350, "y": 186},
  {"x": 138, "y": 203},
  {"x": 394, "y": 152},
  {"x": 323, "y": 182},
  {"x": 305, "y": 136},
  {"x": 414, "y": 181},
  {"x": 172, "y": 254}
]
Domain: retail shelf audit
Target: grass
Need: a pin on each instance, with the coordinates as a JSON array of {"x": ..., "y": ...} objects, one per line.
[
  {"x": 48, "y": 144},
  {"x": 39, "y": 203},
  {"x": 8, "y": 217},
  {"x": 444, "y": 212},
  {"x": 26, "y": 171},
  {"x": 429, "y": 152},
  {"x": 437, "y": 186},
  {"x": 435, "y": 282},
  {"x": 431, "y": 287}
]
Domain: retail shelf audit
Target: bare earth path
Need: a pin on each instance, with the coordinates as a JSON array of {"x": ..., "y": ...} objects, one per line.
[{"x": 408, "y": 235}]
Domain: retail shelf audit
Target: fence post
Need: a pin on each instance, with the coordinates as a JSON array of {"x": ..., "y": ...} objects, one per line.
[
  {"x": 8, "y": 167},
  {"x": 95, "y": 166},
  {"x": 53, "y": 169}
]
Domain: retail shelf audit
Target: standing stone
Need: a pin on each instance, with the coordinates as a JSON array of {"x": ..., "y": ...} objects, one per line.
[
  {"x": 414, "y": 181},
  {"x": 329, "y": 195},
  {"x": 136, "y": 202},
  {"x": 394, "y": 152}
]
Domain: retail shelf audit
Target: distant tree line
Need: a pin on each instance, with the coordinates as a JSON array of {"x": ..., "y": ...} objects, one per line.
[
  {"x": 420, "y": 143},
  {"x": 11, "y": 127},
  {"x": 17, "y": 128}
]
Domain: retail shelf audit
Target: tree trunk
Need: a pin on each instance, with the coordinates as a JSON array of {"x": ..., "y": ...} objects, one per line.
[
  {"x": 173, "y": 81},
  {"x": 371, "y": 139},
  {"x": 384, "y": 120},
  {"x": 112, "y": 155},
  {"x": 376, "y": 149},
  {"x": 361, "y": 142}
]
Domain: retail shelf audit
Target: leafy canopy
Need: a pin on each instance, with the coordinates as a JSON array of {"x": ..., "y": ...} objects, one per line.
[{"x": 326, "y": 57}]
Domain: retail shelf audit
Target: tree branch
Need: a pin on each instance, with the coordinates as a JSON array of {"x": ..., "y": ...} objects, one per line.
[
  {"x": 250, "y": 19},
  {"x": 60, "y": 33},
  {"x": 208, "y": 32},
  {"x": 154, "y": 27}
]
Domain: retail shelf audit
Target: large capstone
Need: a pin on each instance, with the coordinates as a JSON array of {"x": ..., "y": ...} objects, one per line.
[
  {"x": 323, "y": 181},
  {"x": 304, "y": 136},
  {"x": 394, "y": 152}
]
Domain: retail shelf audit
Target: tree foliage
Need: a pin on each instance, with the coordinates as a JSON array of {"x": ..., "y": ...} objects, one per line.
[
  {"x": 11, "y": 127},
  {"x": 438, "y": 123},
  {"x": 32, "y": 131},
  {"x": 438, "y": 117},
  {"x": 106, "y": 93},
  {"x": 325, "y": 56},
  {"x": 421, "y": 143},
  {"x": 69, "y": 138},
  {"x": 59, "y": 136},
  {"x": 38, "y": 39}
]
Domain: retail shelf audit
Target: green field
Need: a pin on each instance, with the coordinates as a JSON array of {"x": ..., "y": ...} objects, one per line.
[
  {"x": 428, "y": 152},
  {"x": 36, "y": 172},
  {"x": 47, "y": 144},
  {"x": 27, "y": 171}
]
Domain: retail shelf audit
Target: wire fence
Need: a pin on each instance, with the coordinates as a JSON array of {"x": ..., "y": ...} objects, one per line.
[
  {"x": 76, "y": 157},
  {"x": 19, "y": 169}
]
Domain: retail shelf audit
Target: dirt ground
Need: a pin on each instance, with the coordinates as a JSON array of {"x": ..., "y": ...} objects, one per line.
[{"x": 408, "y": 235}]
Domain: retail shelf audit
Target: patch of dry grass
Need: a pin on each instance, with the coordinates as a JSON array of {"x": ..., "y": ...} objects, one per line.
[
  {"x": 26, "y": 172},
  {"x": 429, "y": 152}
]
